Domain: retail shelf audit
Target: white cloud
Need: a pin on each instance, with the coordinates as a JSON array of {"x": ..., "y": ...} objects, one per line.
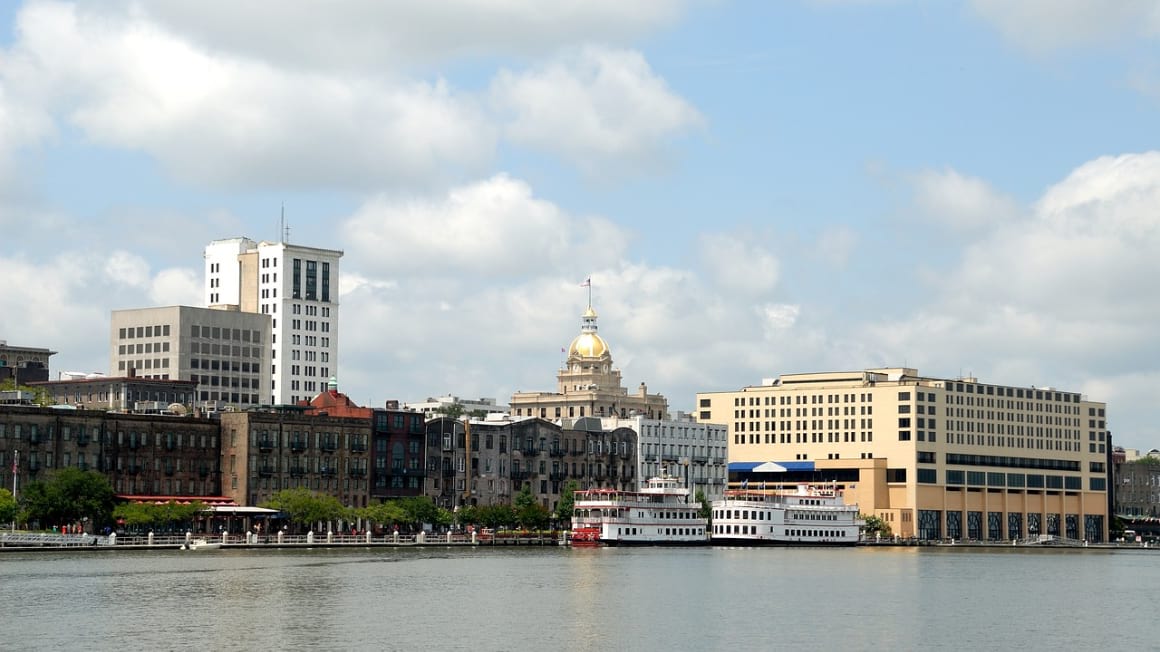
[
  {"x": 594, "y": 107},
  {"x": 492, "y": 228},
  {"x": 176, "y": 287},
  {"x": 233, "y": 121},
  {"x": 961, "y": 202},
  {"x": 64, "y": 301},
  {"x": 1045, "y": 25},
  {"x": 376, "y": 35},
  {"x": 739, "y": 262},
  {"x": 1062, "y": 295}
]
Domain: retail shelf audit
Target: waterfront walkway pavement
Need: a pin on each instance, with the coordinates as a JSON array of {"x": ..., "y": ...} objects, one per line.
[{"x": 40, "y": 541}]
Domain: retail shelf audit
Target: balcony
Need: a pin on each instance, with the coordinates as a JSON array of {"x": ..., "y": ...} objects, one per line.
[
  {"x": 265, "y": 471},
  {"x": 267, "y": 444},
  {"x": 413, "y": 473},
  {"x": 718, "y": 460},
  {"x": 329, "y": 446},
  {"x": 328, "y": 471},
  {"x": 701, "y": 459},
  {"x": 298, "y": 446},
  {"x": 528, "y": 450},
  {"x": 520, "y": 475},
  {"x": 557, "y": 476},
  {"x": 358, "y": 448},
  {"x": 557, "y": 452},
  {"x": 357, "y": 473},
  {"x": 297, "y": 471},
  {"x": 84, "y": 440}
]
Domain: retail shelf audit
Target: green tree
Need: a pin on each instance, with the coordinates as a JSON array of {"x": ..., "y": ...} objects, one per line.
[
  {"x": 706, "y": 510},
  {"x": 497, "y": 516},
  {"x": 420, "y": 510},
  {"x": 67, "y": 496},
  {"x": 467, "y": 515},
  {"x": 7, "y": 506},
  {"x": 40, "y": 395},
  {"x": 529, "y": 513},
  {"x": 169, "y": 515},
  {"x": 567, "y": 503},
  {"x": 386, "y": 513},
  {"x": 306, "y": 507},
  {"x": 453, "y": 411},
  {"x": 875, "y": 526}
]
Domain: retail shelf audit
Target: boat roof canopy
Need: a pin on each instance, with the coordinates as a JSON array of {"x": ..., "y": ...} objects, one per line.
[{"x": 769, "y": 467}]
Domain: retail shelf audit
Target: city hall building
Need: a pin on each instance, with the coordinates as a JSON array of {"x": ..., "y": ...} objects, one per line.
[{"x": 934, "y": 458}]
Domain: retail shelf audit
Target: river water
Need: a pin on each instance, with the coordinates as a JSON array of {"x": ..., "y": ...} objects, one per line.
[{"x": 584, "y": 599}]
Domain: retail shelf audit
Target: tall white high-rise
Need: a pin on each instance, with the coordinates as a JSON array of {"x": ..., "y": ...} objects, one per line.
[{"x": 298, "y": 287}]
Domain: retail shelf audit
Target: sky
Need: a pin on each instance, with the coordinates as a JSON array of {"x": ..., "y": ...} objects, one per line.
[{"x": 969, "y": 188}]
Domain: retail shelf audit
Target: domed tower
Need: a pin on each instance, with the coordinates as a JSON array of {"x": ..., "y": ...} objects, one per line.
[
  {"x": 588, "y": 385},
  {"x": 588, "y": 346}
]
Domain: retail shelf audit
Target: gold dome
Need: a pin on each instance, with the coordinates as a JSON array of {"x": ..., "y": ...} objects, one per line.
[
  {"x": 588, "y": 345},
  {"x": 590, "y": 313}
]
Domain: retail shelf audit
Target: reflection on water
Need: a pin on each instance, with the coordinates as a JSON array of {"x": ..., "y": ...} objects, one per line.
[{"x": 590, "y": 599}]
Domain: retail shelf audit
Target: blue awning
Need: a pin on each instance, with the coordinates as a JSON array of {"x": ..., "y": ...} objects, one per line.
[{"x": 769, "y": 467}]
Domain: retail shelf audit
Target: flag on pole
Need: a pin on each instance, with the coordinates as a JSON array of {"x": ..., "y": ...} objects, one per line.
[{"x": 587, "y": 283}]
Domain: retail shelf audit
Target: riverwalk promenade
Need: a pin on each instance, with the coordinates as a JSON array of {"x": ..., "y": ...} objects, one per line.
[{"x": 44, "y": 541}]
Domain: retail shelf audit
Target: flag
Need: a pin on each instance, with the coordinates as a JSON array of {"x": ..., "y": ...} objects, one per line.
[
  {"x": 587, "y": 283},
  {"x": 563, "y": 350}
]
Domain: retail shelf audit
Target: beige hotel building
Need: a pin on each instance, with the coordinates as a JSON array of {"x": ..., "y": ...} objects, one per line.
[{"x": 934, "y": 458}]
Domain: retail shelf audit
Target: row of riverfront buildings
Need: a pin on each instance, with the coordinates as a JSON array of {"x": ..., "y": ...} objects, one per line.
[{"x": 238, "y": 400}]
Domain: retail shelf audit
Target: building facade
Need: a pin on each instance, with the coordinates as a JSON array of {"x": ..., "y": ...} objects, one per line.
[
  {"x": 23, "y": 364},
  {"x": 487, "y": 461},
  {"x": 695, "y": 452},
  {"x": 266, "y": 451},
  {"x": 223, "y": 351},
  {"x": 297, "y": 287},
  {"x": 589, "y": 385},
  {"x": 140, "y": 454},
  {"x": 934, "y": 458},
  {"x": 439, "y": 406},
  {"x": 124, "y": 394}
]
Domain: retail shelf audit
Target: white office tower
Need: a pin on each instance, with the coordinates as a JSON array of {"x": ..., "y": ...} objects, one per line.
[{"x": 298, "y": 288}]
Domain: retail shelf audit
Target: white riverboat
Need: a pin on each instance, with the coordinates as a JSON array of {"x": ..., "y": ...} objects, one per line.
[
  {"x": 805, "y": 516},
  {"x": 658, "y": 514},
  {"x": 202, "y": 544}
]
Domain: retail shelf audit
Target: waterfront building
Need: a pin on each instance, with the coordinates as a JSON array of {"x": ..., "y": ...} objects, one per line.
[
  {"x": 1137, "y": 485},
  {"x": 23, "y": 364},
  {"x": 297, "y": 287},
  {"x": 588, "y": 385},
  {"x": 140, "y": 454},
  {"x": 695, "y": 452},
  {"x": 487, "y": 461},
  {"x": 440, "y": 405},
  {"x": 934, "y": 458},
  {"x": 266, "y": 451},
  {"x": 122, "y": 394},
  {"x": 223, "y": 351}
]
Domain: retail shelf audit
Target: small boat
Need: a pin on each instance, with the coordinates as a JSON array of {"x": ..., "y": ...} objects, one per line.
[
  {"x": 658, "y": 514},
  {"x": 201, "y": 544},
  {"x": 805, "y": 516}
]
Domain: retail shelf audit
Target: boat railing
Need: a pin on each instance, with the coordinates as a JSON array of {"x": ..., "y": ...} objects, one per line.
[{"x": 22, "y": 539}]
